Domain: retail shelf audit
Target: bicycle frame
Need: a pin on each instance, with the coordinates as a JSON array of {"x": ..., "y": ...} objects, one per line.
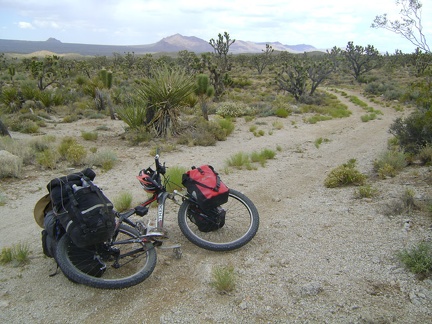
[{"x": 152, "y": 233}]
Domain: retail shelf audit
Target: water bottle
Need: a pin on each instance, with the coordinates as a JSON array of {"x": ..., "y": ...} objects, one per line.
[
  {"x": 85, "y": 184},
  {"x": 75, "y": 188}
]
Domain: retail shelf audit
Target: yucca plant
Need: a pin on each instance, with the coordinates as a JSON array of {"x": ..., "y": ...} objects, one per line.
[
  {"x": 165, "y": 94},
  {"x": 133, "y": 113}
]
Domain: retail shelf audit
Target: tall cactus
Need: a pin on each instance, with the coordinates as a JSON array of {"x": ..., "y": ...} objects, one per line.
[
  {"x": 204, "y": 91},
  {"x": 107, "y": 78}
]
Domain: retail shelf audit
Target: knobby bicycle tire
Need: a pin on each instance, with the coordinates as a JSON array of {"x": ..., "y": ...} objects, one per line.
[
  {"x": 95, "y": 268},
  {"x": 241, "y": 224}
]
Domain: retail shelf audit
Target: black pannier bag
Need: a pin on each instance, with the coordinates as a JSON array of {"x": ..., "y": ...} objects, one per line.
[
  {"x": 204, "y": 185},
  {"x": 51, "y": 234},
  {"x": 83, "y": 210}
]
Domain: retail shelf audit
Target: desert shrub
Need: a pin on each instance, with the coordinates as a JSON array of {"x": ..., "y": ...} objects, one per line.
[
  {"x": 6, "y": 255},
  {"x": 89, "y": 136},
  {"x": 18, "y": 254},
  {"x": 174, "y": 176},
  {"x": 408, "y": 199},
  {"x": 366, "y": 191},
  {"x": 76, "y": 154},
  {"x": 24, "y": 125},
  {"x": 233, "y": 109},
  {"x": 262, "y": 156},
  {"x": 418, "y": 259},
  {"x": 71, "y": 151},
  {"x": 64, "y": 145},
  {"x": 2, "y": 199},
  {"x": 425, "y": 154},
  {"x": 133, "y": 114},
  {"x": 223, "y": 279},
  {"x": 47, "y": 158},
  {"x": 239, "y": 160},
  {"x": 70, "y": 118},
  {"x": 259, "y": 133},
  {"x": 122, "y": 201},
  {"x": 345, "y": 174},
  {"x": 18, "y": 148},
  {"x": 41, "y": 144},
  {"x": 390, "y": 163},
  {"x": 29, "y": 90},
  {"x": 320, "y": 140},
  {"x": 199, "y": 132},
  {"x": 241, "y": 82},
  {"x": 413, "y": 132},
  {"x": 226, "y": 124},
  {"x": 282, "y": 112},
  {"x": 10, "y": 165},
  {"x": 105, "y": 159},
  {"x": 138, "y": 135},
  {"x": 368, "y": 117},
  {"x": 10, "y": 99},
  {"x": 277, "y": 125}
]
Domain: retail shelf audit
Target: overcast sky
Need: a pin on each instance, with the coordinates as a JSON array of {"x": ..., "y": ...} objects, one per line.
[{"x": 320, "y": 23}]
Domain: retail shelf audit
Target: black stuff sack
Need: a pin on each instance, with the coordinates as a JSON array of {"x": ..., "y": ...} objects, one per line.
[
  {"x": 209, "y": 221},
  {"x": 82, "y": 209},
  {"x": 206, "y": 189},
  {"x": 51, "y": 234}
]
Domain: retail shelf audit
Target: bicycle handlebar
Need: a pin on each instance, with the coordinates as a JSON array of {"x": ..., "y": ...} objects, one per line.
[{"x": 159, "y": 167}]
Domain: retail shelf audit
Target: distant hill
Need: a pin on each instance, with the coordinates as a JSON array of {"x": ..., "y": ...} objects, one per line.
[{"x": 174, "y": 43}]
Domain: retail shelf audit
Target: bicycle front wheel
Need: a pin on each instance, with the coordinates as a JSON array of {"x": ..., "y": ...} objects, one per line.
[
  {"x": 120, "y": 264},
  {"x": 241, "y": 221}
]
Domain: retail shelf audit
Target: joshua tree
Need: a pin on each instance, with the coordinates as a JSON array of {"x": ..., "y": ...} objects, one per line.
[
  {"x": 410, "y": 26},
  {"x": 204, "y": 91}
]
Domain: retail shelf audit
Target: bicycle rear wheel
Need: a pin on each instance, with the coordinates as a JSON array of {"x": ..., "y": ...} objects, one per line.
[
  {"x": 241, "y": 224},
  {"x": 116, "y": 265}
]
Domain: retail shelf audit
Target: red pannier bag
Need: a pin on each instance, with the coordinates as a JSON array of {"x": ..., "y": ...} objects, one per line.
[{"x": 205, "y": 186}]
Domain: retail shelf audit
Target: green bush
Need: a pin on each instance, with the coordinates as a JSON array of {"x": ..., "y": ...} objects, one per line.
[
  {"x": 233, "y": 109},
  {"x": 282, "y": 112},
  {"x": 425, "y": 154},
  {"x": 89, "y": 136},
  {"x": 224, "y": 279},
  {"x": 174, "y": 176},
  {"x": 64, "y": 145},
  {"x": 345, "y": 174},
  {"x": 123, "y": 201},
  {"x": 18, "y": 253},
  {"x": 10, "y": 165},
  {"x": 226, "y": 124},
  {"x": 199, "y": 132},
  {"x": 71, "y": 151},
  {"x": 133, "y": 114},
  {"x": 47, "y": 158},
  {"x": 76, "y": 154},
  {"x": 418, "y": 259},
  {"x": 414, "y": 132},
  {"x": 366, "y": 191},
  {"x": 390, "y": 163},
  {"x": 105, "y": 159},
  {"x": 239, "y": 160}
]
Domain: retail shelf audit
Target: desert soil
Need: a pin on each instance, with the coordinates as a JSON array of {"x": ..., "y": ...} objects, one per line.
[{"x": 320, "y": 254}]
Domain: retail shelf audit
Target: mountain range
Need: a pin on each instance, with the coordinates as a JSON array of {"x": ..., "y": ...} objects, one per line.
[{"x": 174, "y": 43}]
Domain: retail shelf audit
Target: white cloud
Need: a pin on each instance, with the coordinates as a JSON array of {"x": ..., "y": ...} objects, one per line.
[
  {"x": 319, "y": 23},
  {"x": 25, "y": 25}
]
